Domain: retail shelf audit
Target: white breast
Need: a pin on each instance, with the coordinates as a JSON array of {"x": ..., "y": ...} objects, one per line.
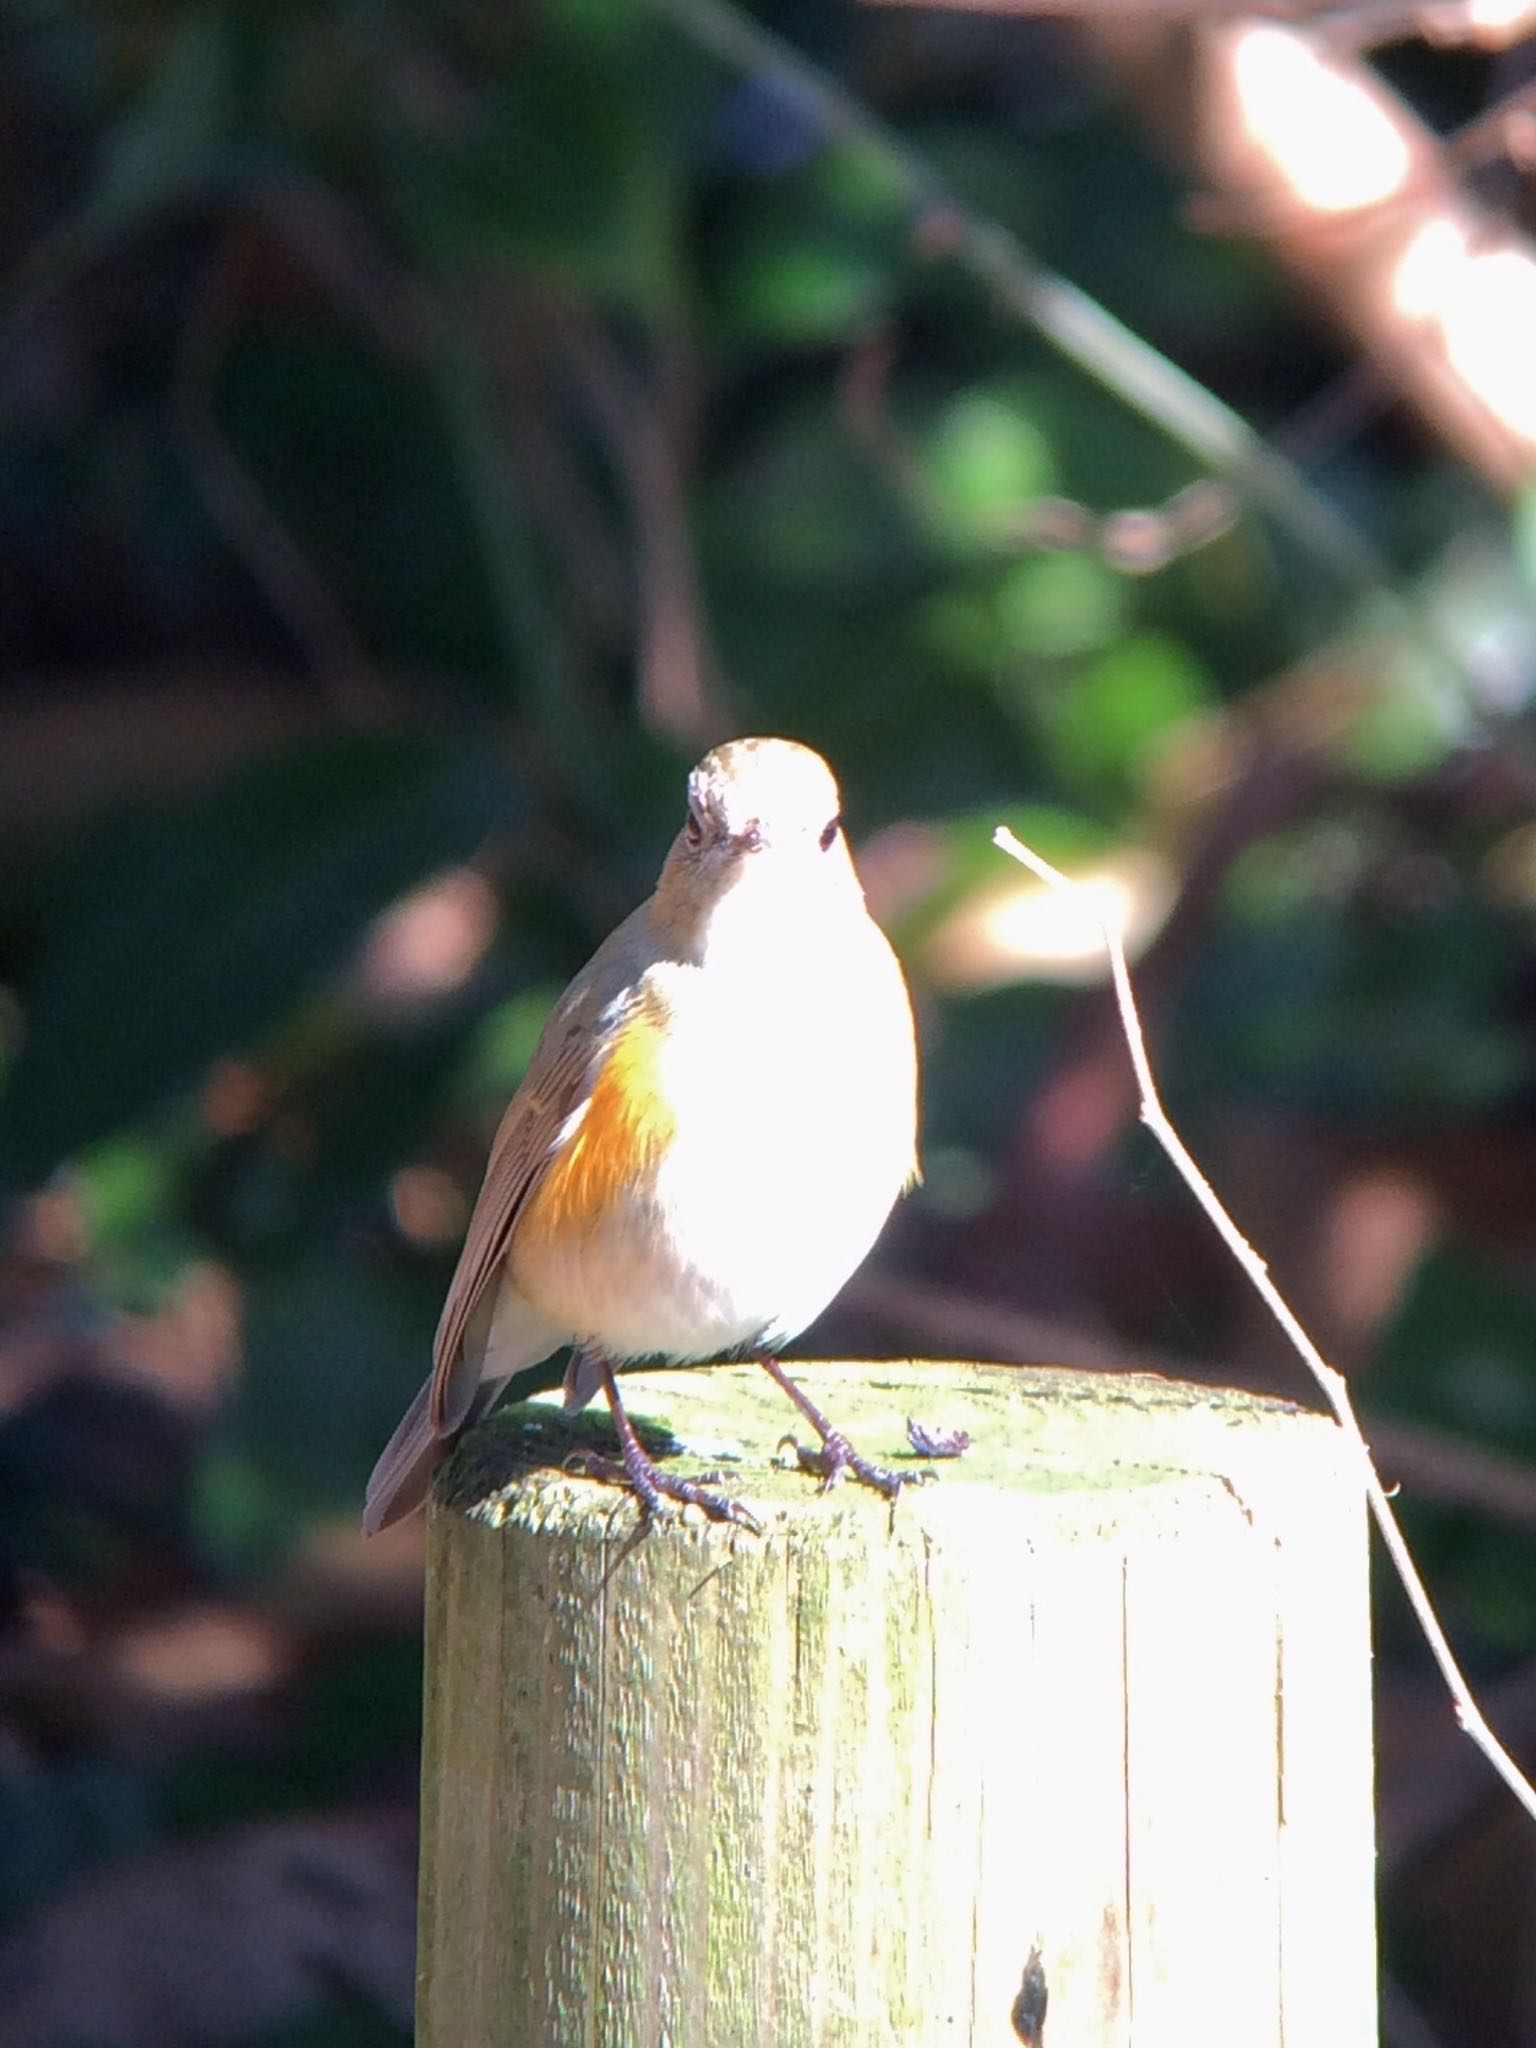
[{"x": 795, "y": 1121}]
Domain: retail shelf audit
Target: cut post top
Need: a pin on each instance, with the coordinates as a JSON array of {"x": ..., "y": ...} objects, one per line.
[{"x": 1049, "y": 1434}]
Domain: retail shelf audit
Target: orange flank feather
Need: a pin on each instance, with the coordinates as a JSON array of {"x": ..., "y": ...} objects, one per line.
[{"x": 626, "y": 1131}]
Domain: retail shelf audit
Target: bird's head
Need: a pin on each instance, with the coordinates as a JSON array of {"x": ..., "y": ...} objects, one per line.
[{"x": 761, "y": 847}]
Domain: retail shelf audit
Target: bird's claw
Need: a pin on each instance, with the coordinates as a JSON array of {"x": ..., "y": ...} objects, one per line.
[
  {"x": 654, "y": 1488},
  {"x": 836, "y": 1460}
]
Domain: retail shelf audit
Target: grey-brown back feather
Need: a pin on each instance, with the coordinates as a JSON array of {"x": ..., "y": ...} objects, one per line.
[{"x": 561, "y": 1074}]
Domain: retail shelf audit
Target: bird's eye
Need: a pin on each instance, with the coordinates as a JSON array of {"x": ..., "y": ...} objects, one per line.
[
  {"x": 693, "y": 830},
  {"x": 829, "y": 833}
]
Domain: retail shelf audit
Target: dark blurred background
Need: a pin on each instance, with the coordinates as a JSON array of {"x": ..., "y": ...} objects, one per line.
[{"x": 424, "y": 429}]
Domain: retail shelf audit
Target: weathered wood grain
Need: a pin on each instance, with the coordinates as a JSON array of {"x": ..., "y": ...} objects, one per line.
[{"x": 1102, "y": 1687}]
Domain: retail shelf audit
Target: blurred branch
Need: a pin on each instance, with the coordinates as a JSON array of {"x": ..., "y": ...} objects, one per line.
[
  {"x": 1507, "y": 129},
  {"x": 464, "y": 386},
  {"x": 1475, "y": 24},
  {"x": 925, "y": 1313},
  {"x": 1066, "y": 318},
  {"x": 1311, "y": 149},
  {"x": 338, "y": 246},
  {"x": 148, "y": 1675},
  {"x": 78, "y": 740},
  {"x": 578, "y": 524},
  {"x": 676, "y": 686},
  {"x": 1453, "y": 1473},
  {"x": 1354, "y": 193},
  {"x": 1165, "y": 10},
  {"x": 1134, "y": 540},
  {"x": 1332, "y": 1383},
  {"x": 1483, "y": 24},
  {"x": 297, "y": 594}
]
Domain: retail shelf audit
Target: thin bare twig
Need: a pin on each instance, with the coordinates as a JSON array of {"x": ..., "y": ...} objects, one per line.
[{"x": 1332, "y": 1383}]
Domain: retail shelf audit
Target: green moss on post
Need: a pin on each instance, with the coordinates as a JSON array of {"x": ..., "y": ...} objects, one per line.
[{"x": 1103, "y": 1688}]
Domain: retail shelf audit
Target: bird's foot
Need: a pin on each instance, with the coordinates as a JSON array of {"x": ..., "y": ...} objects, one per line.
[
  {"x": 642, "y": 1476},
  {"x": 835, "y": 1459},
  {"x": 638, "y": 1470}
]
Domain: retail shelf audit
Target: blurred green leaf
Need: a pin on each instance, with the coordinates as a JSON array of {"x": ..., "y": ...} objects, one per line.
[
  {"x": 1107, "y": 722},
  {"x": 1363, "y": 1017},
  {"x": 814, "y": 256},
  {"x": 1415, "y": 718},
  {"x": 800, "y": 284},
  {"x": 505, "y": 1043},
  {"x": 243, "y": 1518},
  {"x": 560, "y": 170},
  {"x": 130, "y": 1196},
  {"x": 1461, "y": 1346},
  {"x": 1458, "y": 1355},
  {"x": 1053, "y": 606},
  {"x": 986, "y": 458},
  {"x": 800, "y": 506},
  {"x": 310, "y": 410},
  {"x": 190, "y": 929},
  {"x": 959, "y": 628},
  {"x": 333, "y": 1350},
  {"x": 991, "y": 1048}
]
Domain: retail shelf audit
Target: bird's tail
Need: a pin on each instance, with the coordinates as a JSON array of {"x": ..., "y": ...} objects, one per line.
[
  {"x": 406, "y": 1464},
  {"x": 400, "y": 1479},
  {"x": 504, "y": 1331}
]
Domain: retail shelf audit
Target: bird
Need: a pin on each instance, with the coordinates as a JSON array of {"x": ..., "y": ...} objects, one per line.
[{"x": 717, "y": 1121}]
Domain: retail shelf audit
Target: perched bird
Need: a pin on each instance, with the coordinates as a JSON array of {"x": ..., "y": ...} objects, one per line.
[{"x": 718, "y": 1118}]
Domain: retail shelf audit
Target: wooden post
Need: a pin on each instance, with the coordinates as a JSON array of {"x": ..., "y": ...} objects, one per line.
[{"x": 1101, "y": 1691}]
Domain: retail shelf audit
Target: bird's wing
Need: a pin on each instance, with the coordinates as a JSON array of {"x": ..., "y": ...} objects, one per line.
[{"x": 564, "y": 1068}]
